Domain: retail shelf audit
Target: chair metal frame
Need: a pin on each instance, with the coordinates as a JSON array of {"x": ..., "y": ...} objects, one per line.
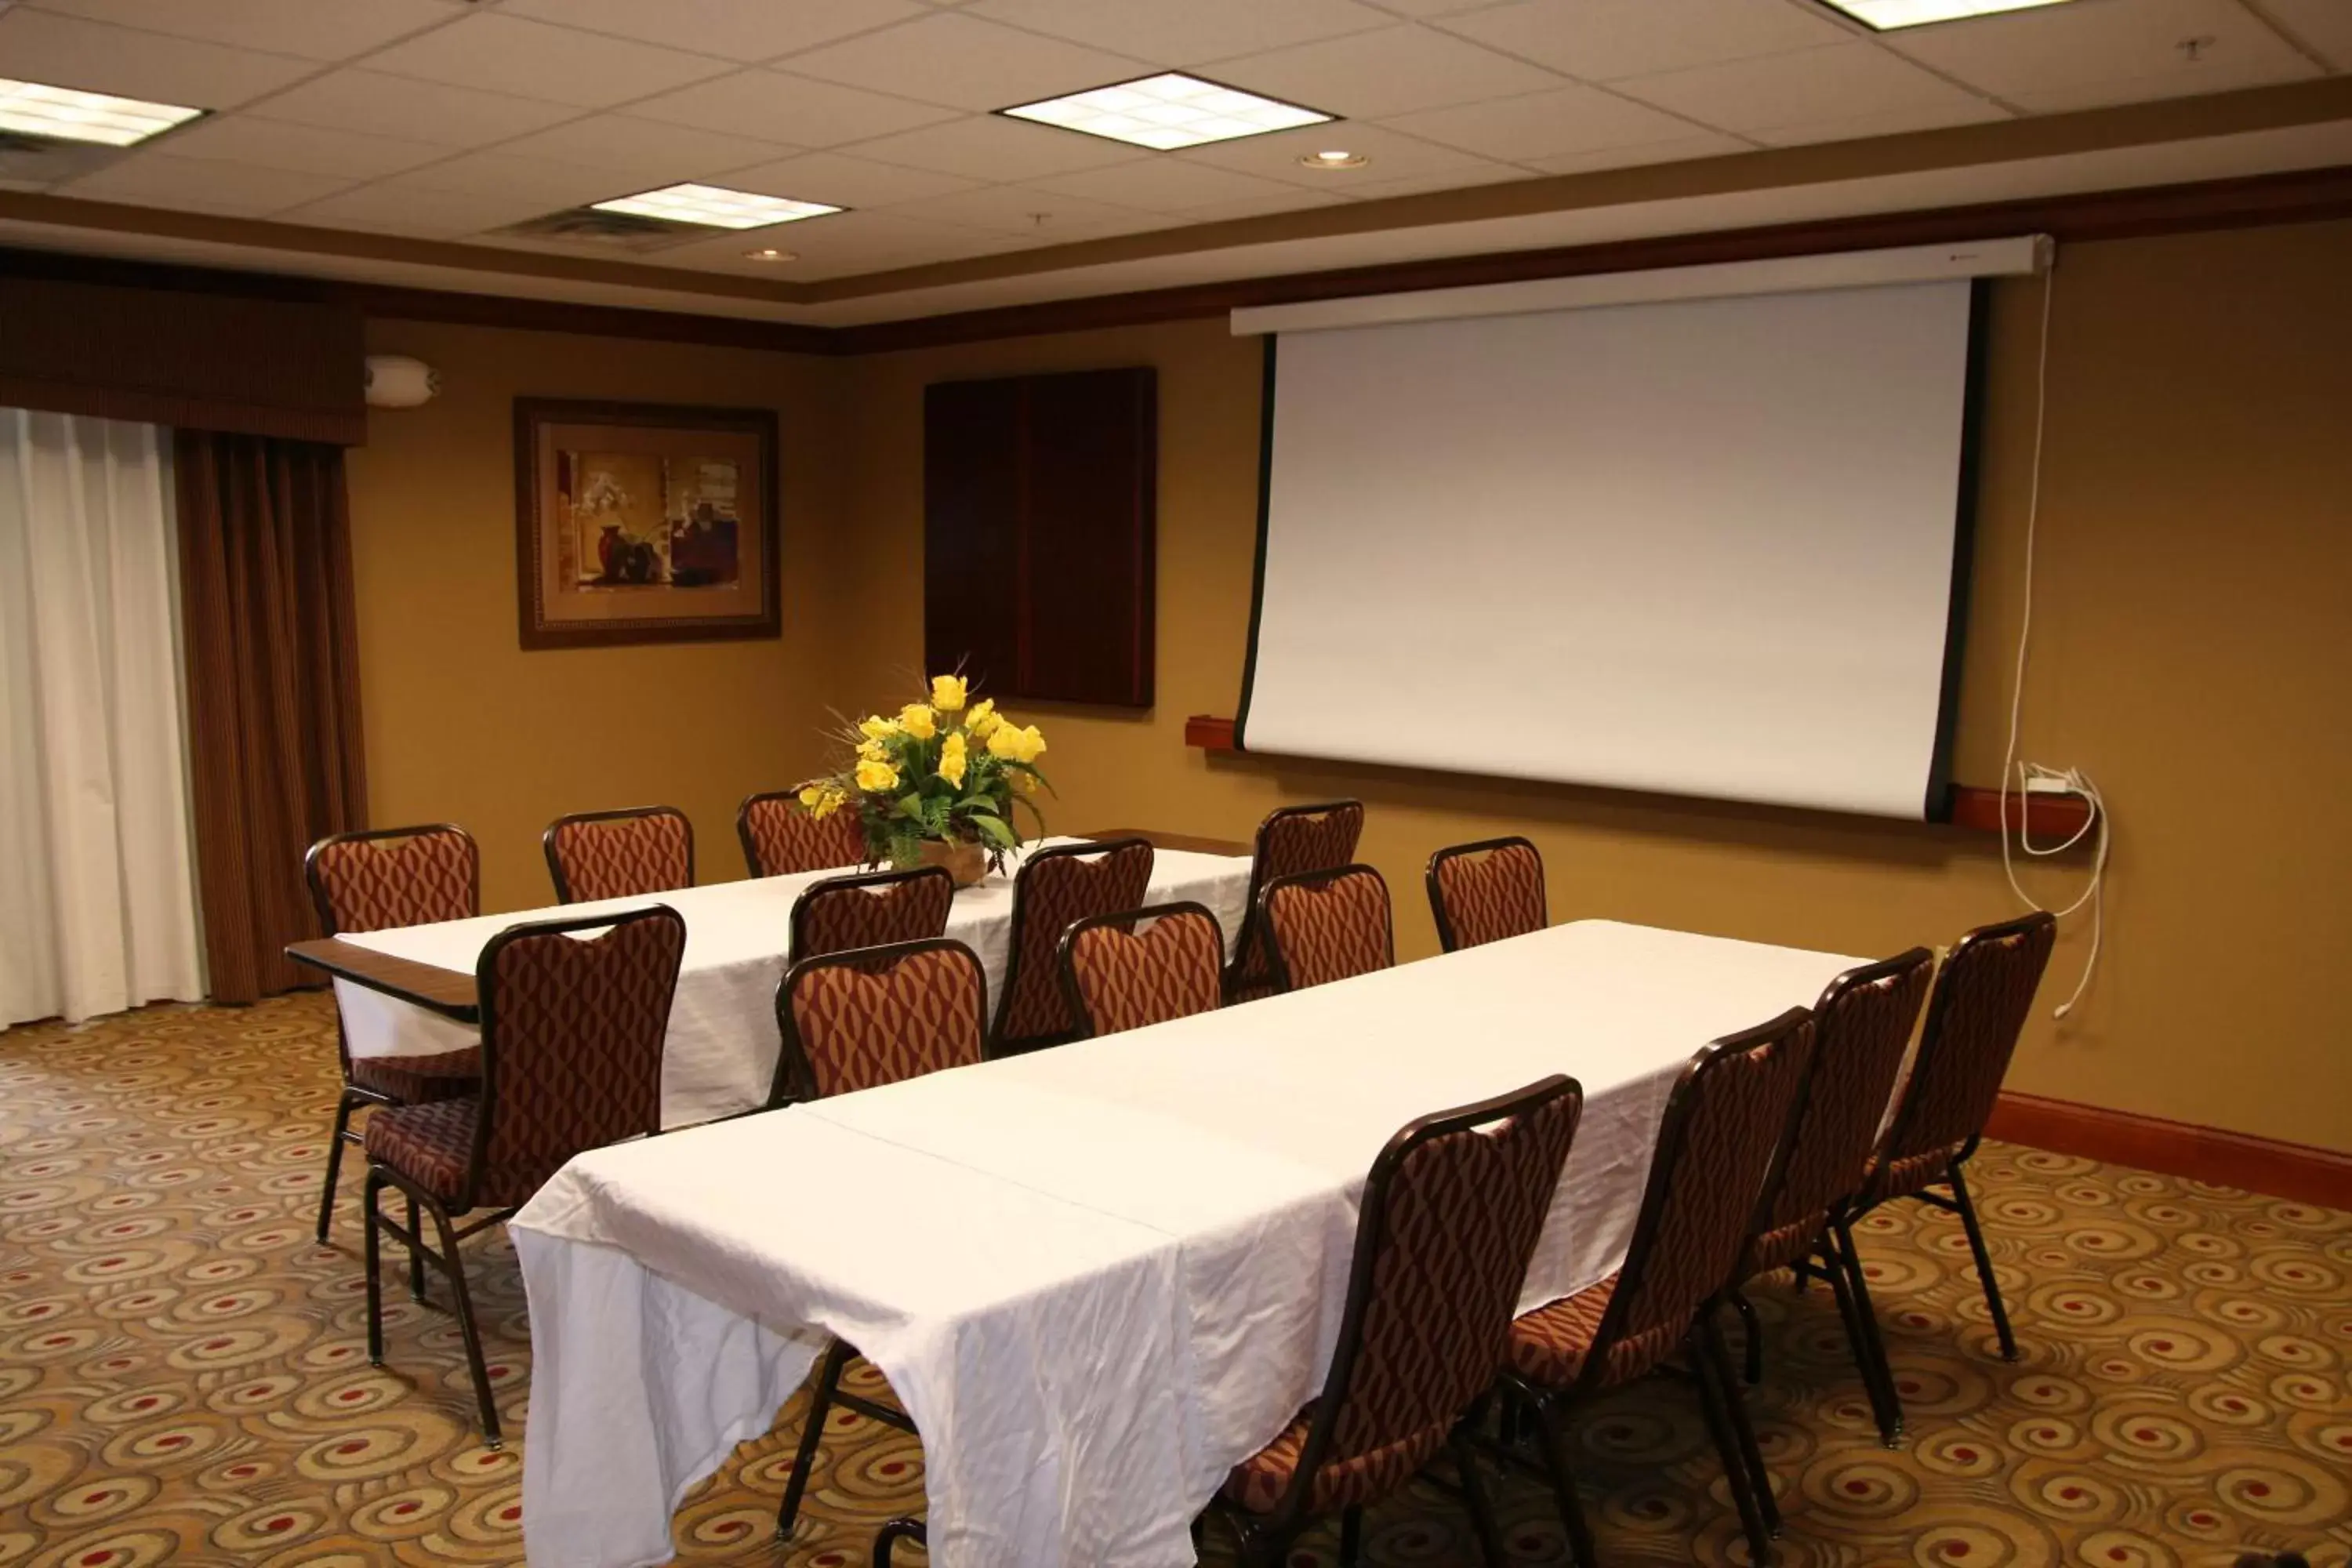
[
  {"x": 1259, "y": 877},
  {"x": 1009, "y": 987},
  {"x": 1446, "y": 938},
  {"x": 547, "y": 843},
  {"x": 445, "y": 1257},
  {"x": 1066, "y": 950},
  {"x": 1279, "y": 965}
]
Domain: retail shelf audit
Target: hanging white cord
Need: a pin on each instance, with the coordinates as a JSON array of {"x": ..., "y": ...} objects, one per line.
[{"x": 2015, "y": 771}]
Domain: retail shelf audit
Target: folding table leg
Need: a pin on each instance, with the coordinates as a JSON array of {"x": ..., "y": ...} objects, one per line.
[{"x": 812, "y": 1430}]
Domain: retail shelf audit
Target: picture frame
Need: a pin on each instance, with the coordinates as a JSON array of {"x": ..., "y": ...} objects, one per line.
[{"x": 643, "y": 522}]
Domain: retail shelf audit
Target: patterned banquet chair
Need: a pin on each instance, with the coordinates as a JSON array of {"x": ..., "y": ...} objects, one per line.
[
  {"x": 1862, "y": 1025},
  {"x": 1725, "y": 1121},
  {"x": 1322, "y": 926},
  {"x": 1974, "y": 1013},
  {"x": 1291, "y": 840},
  {"x": 871, "y": 908},
  {"x": 1485, "y": 891},
  {"x": 594, "y": 855},
  {"x": 1450, "y": 1217},
  {"x": 573, "y": 1032},
  {"x": 857, "y": 1020},
  {"x": 377, "y": 880},
  {"x": 1055, "y": 889},
  {"x": 1142, "y": 966},
  {"x": 781, "y": 839}
]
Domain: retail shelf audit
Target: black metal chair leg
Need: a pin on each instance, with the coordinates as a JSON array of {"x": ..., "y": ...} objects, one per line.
[
  {"x": 1735, "y": 1405},
  {"x": 1727, "y": 1447},
  {"x": 1984, "y": 1264},
  {"x": 1474, "y": 1499},
  {"x": 1752, "y": 1362},
  {"x": 812, "y": 1430},
  {"x": 1848, "y": 1258},
  {"x": 1352, "y": 1535},
  {"x": 892, "y": 1533},
  {"x": 415, "y": 1254},
  {"x": 344, "y": 1106},
  {"x": 1563, "y": 1486},
  {"x": 1889, "y": 1418},
  {"x": 373, "y": 1255},
  {"x": 464, "y": 1301}
]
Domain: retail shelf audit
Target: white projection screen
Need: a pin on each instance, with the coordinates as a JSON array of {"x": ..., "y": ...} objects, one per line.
[{"x": 1705, "y": 547}]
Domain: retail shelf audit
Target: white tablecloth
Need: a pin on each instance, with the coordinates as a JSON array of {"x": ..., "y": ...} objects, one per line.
[
  {"x": 721, "y": 1051},
  {"x": 1099, "y": 1276}
]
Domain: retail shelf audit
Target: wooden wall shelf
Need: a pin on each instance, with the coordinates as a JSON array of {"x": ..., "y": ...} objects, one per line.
[{"x": 2052, "y": 819}]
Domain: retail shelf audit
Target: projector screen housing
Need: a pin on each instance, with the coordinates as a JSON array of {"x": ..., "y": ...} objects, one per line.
[{"x": 1713, "y": 546}]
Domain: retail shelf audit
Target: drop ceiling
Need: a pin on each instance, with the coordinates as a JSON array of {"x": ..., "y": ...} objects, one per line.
[{"x": 393, "y": 139}]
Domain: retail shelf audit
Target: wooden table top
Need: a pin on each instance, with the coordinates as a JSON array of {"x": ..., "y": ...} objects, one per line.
[{"x": 451, "y": 992}]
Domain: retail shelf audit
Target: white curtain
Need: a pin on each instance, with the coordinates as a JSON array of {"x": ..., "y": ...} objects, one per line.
[{"x": 97, "y": 895}]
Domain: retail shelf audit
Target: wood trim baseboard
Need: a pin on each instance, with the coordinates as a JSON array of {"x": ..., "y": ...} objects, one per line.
[{"x": 2209, "y": 1155}]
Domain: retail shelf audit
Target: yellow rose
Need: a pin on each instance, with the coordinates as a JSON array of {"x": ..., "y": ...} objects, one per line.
[
  {"x": 873, "y": 750},
  {"x": 876, "y": 727},
  {"x": 832, "y": 800},
  {"x": 981, "y": 719},
  {"x": 810, "y": 795},
  {"x": 918, "y": 720},
  {"x": 1016, "y": 745},
  {"x": 951, "y": 761},
  {"x": 948, "y": 692},
  {"x": 875, "y": 776}
]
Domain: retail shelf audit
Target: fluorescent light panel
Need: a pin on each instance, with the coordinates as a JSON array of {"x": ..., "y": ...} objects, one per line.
[
  {"x": 714, "y": 206},
  {"x": 1888, "y": 14},
  {"x": 71, "y": 114},
  {"x": 1168, "y": 111}
]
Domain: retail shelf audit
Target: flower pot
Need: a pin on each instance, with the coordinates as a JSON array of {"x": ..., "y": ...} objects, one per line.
[{"x": 967, "y": 863}]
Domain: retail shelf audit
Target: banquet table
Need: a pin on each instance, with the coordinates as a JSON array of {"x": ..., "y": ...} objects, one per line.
[
  {"x": 409, "y": 991},
  {"x": 1097, "y": 1277}
]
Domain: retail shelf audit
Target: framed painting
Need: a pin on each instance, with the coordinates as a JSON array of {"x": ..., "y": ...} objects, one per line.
[{"x": 640, "y": 522}]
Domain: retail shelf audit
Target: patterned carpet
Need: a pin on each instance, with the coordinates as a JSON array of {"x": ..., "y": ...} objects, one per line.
[{"x": 183, "y": 1373}]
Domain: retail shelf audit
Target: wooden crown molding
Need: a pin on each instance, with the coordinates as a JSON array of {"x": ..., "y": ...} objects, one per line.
[{"x": 2296, "y": 1170}]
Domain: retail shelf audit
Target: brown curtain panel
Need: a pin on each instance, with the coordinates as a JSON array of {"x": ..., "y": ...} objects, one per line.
[{"x": 273, "y": 690}]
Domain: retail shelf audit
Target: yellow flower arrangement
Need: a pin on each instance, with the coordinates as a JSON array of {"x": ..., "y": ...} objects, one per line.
[{"x": 949, "y": 770}]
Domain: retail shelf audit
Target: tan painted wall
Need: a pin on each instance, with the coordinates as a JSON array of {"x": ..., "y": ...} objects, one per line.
[
  {"x": 2191, "y": 653},
  {"x": 461, "y": 724}
]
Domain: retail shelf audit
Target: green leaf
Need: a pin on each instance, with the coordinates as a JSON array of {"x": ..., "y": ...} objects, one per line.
[{"x": 994, "y": 829}]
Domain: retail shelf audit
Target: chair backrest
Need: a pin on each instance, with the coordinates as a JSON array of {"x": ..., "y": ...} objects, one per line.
[
  {"x": 781, "y": 838},
  {"x": 595, "y": 855},
  {"x": 1450, "y": 1214},
  {"x": 1292, "y": 839},
  {"x": 1862, "y": 1025},
  {"x": 1974, "y": 1015},
  {"x": 1725, "y": 1121},
  {"x": 1054, "y": 890},
  {"x": 1322, "y": 926},
  {"x": 872, "y": 1015},
  {"x": 1485, "y": 891},
  {"x": 389, "y": 877},
  {"x": 572, "y": 1034},
  {"x": 1117, "y": 976},
  {"x": 871, "y": 908}
]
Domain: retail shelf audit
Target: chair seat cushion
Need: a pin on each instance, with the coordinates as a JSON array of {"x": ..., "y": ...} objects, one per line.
[
  {"x": 1549, "y": 1345},
  {"x": 1258, "y": 1483},
  {"x": 419, "y": 1080},
  {"x": 429, "y": 1145},
  {"x": 1899, "y": 1178},
  {"x": 1785, "y": 1244}
]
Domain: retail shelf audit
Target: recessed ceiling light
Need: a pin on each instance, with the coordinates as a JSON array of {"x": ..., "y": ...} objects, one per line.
[
  {"x": 770, "y": 253},
  {"x": 1335, "y": 158},
  {"x": 71, "y": 114},
  {"x": 714, "y": 206},
  {"x": 1168, "y": 111},
  {"x": 1888, "y": 14}
]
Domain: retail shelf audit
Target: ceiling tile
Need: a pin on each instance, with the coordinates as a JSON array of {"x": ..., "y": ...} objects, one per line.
[
  {"x": 201, "y": 185},
  {"x": 1165, "y": 185},
  {"x": 390, "y": 207},
  {"x": 380, "y": 105},
  {"x": 841, "y": 181},
  {"x": 549, "y": 186},
  {"x": 2322, "y": 25},
  {"x": 314, "y": 29},
  {"x": 1392, "y": 71},
  {"x": 779, "y": 107},
  {"x": 1805, "y": 87},
  {"x": 1030, "y": 212},
  {"x": 1598, "y": 41},
  {"x": 310, "y": 148},
  {"x": 2074, "y": 57},
  {"x": 1392, "y": 156},
  {"x": 1294, "y": 198},
  {"x": 68, "y": 51},
  {"x": 728, "y": 28},
  {"x": 1544, "y": 124},
  {"x": 990, "y": 147},
  {"x": 1188, "y": 33},
  {"x": 510, "y": 54},
  {"x": 845, "y": 244},
  {"x": 1883, "y": 122},
  {"x": 645, "y": 150},
  {"x": 1702, "y": 145},
  {"x": 950, "y": 58}
]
